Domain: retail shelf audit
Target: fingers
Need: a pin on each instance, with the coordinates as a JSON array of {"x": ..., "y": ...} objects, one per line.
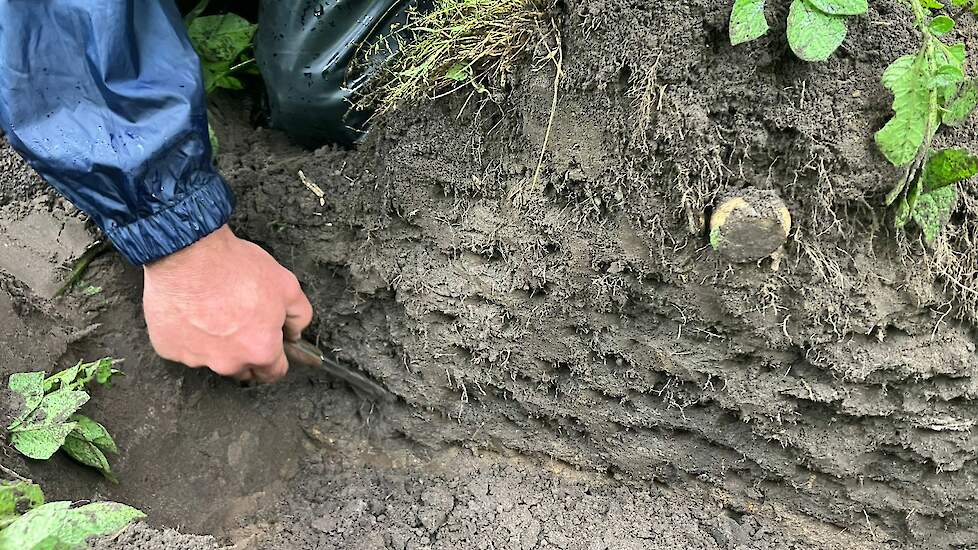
[
  {"x": 272, "y": 373},
  {"x": 298, "y": 313}
]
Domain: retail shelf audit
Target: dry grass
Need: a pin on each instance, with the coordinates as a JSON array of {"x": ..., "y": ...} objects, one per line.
[{"x": 455, "y": 45}]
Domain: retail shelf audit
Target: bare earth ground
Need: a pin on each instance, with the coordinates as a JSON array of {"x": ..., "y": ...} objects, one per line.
[
  {"x": 570, "y": 361},
  {"x": 309, "y": 465}
]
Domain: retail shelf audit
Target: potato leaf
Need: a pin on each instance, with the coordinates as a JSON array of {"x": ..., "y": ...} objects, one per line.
[
  {"x": 58, "y": 526},
  {"x": 747, "y": 21},
  {"x": 963, "y": 105},
  {"x": 55, "y": 408},
  {"x": 933, "y": 211},
  {"x": 902, "y": 136},
  {"x": 88, "y": 454},
  {"x": 841, "y": 7},
  {"x": 41, "y": 442},
  {"x": 894, "y": 75},
  {"x": 62, "y": 379},
  {"x": 30, "y": 386},
  {"x": 949, "y": 166},
  {"x": 941, "y": 25},
  {"x": 43, "y": 431},
  {"x": 220, "y": 40},
  {"x": 16, "y": 498},
  {"x": 946, "y": 75},
  {"x": 814, "y": 35},
  {"x": 93, "y": 432}
]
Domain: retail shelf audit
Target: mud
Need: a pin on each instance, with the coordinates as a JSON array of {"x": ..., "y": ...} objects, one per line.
[
  {"x": 582, "y": 322},
  {"x": 589, "y": 322}
]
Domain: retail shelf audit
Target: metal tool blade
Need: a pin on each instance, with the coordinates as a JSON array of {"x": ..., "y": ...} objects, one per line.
[{"x": 306, "y": 353}]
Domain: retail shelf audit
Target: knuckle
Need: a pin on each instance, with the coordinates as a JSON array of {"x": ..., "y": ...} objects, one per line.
[{"x": 265, "y": 350}]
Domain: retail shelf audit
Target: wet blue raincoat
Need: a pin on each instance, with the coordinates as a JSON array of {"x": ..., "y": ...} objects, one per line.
[{"x": 104, "y": 98}]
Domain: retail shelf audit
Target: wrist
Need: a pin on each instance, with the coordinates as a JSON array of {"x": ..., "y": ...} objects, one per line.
[{"x": 189, "y": 264}]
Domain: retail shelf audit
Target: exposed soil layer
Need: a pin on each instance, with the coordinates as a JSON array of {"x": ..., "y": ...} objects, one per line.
[
  {"x": 207, "y": 455},
  {"x": 583, "y": 318}
]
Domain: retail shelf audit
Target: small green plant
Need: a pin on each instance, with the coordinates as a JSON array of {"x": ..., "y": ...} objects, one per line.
[
  {"x": 966, "y": 5},
  {"x": 28, "y": 523},
  {"x": 50, "y": 420},
  {"x": 929, "y": 89},
  {"x": 223, "y": 43},
  {"x": 816, "y": 28}
]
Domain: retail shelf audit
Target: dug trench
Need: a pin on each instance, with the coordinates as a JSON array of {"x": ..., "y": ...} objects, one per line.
[{"x": 571, "y": 364}]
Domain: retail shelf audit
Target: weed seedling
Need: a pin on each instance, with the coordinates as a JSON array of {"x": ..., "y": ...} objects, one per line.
[{"x": 50, "y": 420}]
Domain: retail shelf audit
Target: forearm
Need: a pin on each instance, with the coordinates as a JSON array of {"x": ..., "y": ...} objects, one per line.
[{"x": 104, "y": 99}]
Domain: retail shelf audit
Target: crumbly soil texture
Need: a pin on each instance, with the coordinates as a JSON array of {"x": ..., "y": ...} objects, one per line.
[{"x": 571, "y": 364}]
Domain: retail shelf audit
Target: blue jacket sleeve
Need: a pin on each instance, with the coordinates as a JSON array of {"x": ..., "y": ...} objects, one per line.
[{"x": 104, "y": 98}]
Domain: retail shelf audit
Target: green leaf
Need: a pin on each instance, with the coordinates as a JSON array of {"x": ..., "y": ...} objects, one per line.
[
  {"x": 934, "y": 210},
  {"x": 946, "y": 75},
  {"x": 104, "y": 370},
  {"x": 747, "y": 21},
  {"x": 901, "y": 137},
  {"x": 459, "y": 73},
  {"x": 44, "y": 430},
  {"x": 841, "y": 7},
  {"x": 41, "y": 442},
  {"x": 30, "y": 386},
  {"x": 954, "y": 55},
  {"x": 88, "y": 454},
  {"x": 932, "y": 4},
  {"x": 813, "y": 35},
  {"x": 62, "y": 379},
  {"x": 960, "y": 3},
  {"x": 963, "y": 105},
  {"x": 221, "y": 38},
  {"x": 948, "y": 167},
  {"x": 55, "y": 408},
  {"x": 894, "y": 75},
  {"x": 941, "y": 25},
  {"x": 57, "y": 526},
  {"x": 16, "y": 498},
  {"x": 93, "y": 432}
]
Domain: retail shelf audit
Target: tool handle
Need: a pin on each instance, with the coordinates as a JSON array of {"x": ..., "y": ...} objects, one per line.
[{"x": 303, "y": 353}]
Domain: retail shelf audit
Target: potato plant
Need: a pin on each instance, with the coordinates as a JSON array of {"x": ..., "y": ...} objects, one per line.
[
  {"x": 929, "y": 89},
  {"x": 49, "y": 419},
  {"x": 27, "y": 522}
]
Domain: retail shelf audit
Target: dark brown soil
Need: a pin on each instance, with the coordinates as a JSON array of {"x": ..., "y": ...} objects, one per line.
[{"x": 584, "y": 323}]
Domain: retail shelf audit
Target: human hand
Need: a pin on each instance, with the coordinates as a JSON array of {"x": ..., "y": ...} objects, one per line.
[{"x": 225, "y": 304}]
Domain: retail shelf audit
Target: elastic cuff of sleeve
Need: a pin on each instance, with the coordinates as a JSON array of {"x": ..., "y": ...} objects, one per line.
[{"x": 179, "y": 226}]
